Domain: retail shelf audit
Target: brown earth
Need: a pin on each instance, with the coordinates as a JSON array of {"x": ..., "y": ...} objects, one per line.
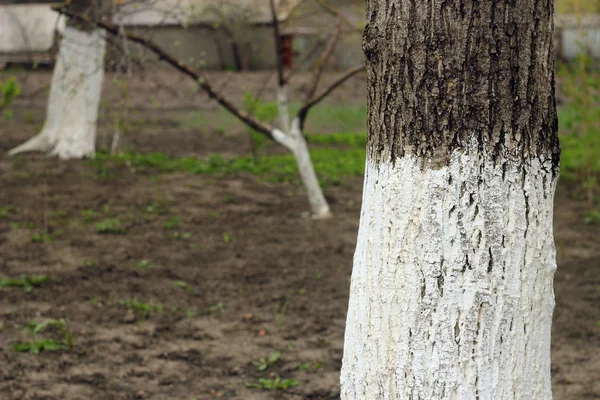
[{"x": 259, "y": 276}]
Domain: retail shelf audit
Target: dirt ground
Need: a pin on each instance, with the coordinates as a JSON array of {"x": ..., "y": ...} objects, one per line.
[{"x": 237, "y": 268}]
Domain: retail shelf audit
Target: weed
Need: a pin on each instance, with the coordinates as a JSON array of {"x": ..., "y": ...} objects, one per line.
[
  {"x": 172, "y": 222},
  {"x": 280, "y": 316},
  {"x": 5, "y": 211},
  {"x": 40, "y": 238},
  {"x": 145, "y": 264},
  {"x": 142, "y": 309},
  {"x": 63, "y": 341},
  {"x": 180, "y": 284},
  {"x": 90, "y": 263},
  {"x": 592, "y": 217},
  {"x": 181, "y": 235},
  {"x": 89, "y": 215},
  {"x": 58, "y": 214},
  {"x": 265, "y": 362},
  {"x": 216, "y": 308},
  {"x": 226, "y": 237},
  {"x": 110, "y": 226},
  {"x": 28, "y": 283},
  {"x": 272, "y": 384},
  {"x": 331, "y": 164}
]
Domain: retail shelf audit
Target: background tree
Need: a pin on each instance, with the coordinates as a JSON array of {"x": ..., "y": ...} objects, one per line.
[
  {"x": 70, "y": 127},
  {"x": 289, "y": 131},
  {"x": 451, "y": 294}
]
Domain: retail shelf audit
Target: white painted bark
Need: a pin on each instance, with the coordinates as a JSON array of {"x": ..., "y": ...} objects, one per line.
[
  {"x": 283, "y": 108},
  {"x": 451, "y": 294},
  {"x": 70, "y": 127},
  {"x": 295, "y": 142}
]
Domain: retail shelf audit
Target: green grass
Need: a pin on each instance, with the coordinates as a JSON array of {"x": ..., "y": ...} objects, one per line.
[
  {"x": 579, "y": 129},
  {"x": 273, "y": 383},
  {"x": 63, "y": 337},
  {"x": 331, "y": 164},
  {"x": 28, "y": 283},
  {"x": 323, "y": 118}
]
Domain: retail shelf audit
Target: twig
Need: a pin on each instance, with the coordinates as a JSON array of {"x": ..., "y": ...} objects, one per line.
[
  {"x": 303, "y": 112},
  {"x": 252, "y": 122}
]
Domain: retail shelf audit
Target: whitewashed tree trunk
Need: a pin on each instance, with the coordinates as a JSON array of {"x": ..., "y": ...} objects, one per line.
[
  {"x": 295, "y": 142},
  {"x": 291, "y": 137},
  {"x": 70, "y": 127},
  {"x": 451, "y": 294}
]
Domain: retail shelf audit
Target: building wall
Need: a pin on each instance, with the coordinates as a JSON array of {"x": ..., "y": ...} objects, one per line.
[{"x": 28, "y": 27}]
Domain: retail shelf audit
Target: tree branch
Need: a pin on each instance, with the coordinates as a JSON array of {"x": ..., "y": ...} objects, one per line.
[
  {"x": 247, "y": 119},
  {"x": 322, "y": 60},
  {"x": 303, "y": 112},
  {"x": 278, "y": 45}
]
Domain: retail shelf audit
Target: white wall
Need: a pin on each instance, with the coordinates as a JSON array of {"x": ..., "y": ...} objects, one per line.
[{"x": 28, "y": 27}]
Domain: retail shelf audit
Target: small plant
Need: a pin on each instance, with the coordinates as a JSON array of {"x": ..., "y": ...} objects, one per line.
[
  {"x": 172, "y": 222},
  {"x": 226, "y": 237},
  {"x": 110, "y": 226},
  {"x": 280, "y": 316},
  {"x": 24, "y": 281},
  {"x": 592, "y": 217},
  {"x": 40, "y": 238},
  {"x": 216, "y": 308},
  {"x": 264, "y": 363},
  {"x": 180, "y": 284},
  {"x": 142, "y": 309},
  {"x": 5, "y": 211},
  {"x": 272, "y": 384},
  {"x": 9, "y": 90},
  {"x": 145, "y": 264},
  {"x": 63, "y": 340}
]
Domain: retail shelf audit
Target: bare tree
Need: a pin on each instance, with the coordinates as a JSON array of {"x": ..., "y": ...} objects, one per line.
[{"x": 289, "y": 131}]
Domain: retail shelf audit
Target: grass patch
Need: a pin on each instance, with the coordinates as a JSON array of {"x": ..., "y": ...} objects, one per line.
[
  {"x": 140, "y": 308},
  {"x": 110, "y": 226},
  {"x": 273, "y": 383},
  {"x": 28, "y": 283},
  {"x": 62, "y": 337},
  {"x": 331, "y": 164},
  {"x": 579, "y": 128}
]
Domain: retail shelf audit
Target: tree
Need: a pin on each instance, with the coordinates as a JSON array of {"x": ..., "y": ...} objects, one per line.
[
  {"x": 451, "y": 294},
  {"x": 289, "y": 132},
  {"x": 70, "y": 127}
]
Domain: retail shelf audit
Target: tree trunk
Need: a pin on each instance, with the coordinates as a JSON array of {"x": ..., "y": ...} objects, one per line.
[
  {"x": 291, "y": 137},
  {"x": 70, "y": 127},
  {"x": 451, "y": 294}
]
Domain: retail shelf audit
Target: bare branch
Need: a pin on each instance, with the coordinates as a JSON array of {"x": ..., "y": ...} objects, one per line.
[
  {"x": 330, "y": 10},
  {"x": 247, "y": 119},
  {"x": 322, "y": 60},
  {"x": 278, "y": 44},
  {"x": 303, "y": 112}
]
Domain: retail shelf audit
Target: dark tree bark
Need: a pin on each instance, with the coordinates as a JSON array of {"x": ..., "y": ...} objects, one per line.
[{"x": 443, "y": 73}]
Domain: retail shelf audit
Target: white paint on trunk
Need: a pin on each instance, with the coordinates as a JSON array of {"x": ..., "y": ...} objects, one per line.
[
  {"x": 451, "y": 294},
  {"x": 295, "y": 142},
  {"x": 283, "y": 108},
  {"x": 70, "y": 127}
]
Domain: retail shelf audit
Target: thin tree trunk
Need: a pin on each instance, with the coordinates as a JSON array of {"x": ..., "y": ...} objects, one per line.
[{"x": 451, "y": 294}]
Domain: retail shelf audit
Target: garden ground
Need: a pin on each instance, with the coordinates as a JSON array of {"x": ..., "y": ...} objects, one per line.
[{"x": 177, "y": 272}]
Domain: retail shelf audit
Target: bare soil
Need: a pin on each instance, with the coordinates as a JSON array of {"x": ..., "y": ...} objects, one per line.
[{"x": 259, "y": 275}]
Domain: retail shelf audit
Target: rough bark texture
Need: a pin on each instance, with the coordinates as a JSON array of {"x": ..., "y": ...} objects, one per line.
[
  {"x": 446, "y": 73},
  {"x": 451, "y": 294}
]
